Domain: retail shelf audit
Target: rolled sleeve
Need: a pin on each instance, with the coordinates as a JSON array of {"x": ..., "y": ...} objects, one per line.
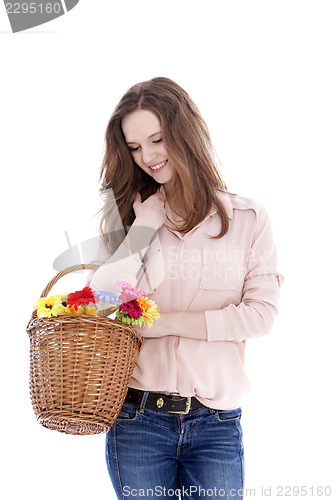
[
  {"x": 128, "y": 261},
  {"x": 125, "y": 269}
]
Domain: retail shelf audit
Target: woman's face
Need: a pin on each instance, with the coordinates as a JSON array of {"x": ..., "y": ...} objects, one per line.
[{"x": 143, "y": 135}]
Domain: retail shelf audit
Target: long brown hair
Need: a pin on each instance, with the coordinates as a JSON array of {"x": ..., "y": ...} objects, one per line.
[{"x": 196, "y": 180}]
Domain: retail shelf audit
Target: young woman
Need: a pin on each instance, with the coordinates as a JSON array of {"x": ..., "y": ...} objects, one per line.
[{"x": 207, "y": 257}]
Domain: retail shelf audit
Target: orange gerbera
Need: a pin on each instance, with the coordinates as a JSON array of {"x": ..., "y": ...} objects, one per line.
[{"x": 150, "y": 310}]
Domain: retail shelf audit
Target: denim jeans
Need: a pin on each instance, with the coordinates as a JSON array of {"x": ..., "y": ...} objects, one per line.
[{"x": 151, "y": 454}]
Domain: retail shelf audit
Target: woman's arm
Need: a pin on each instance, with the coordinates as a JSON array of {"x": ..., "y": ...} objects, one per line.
[
  {"x": 126, "y": 263},
  {"x": 252, "y": 317},
  {"x": 181, "y": 324}
]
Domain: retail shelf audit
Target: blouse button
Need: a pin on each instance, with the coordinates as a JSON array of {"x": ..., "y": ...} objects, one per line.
[{"x": 203, "y": 285}]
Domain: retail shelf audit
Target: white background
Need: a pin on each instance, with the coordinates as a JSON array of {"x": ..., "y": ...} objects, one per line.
[{"x": 261, "y": 73}]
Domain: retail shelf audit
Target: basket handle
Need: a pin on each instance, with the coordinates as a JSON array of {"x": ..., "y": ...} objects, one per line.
[
  {"x": 53, "y": 281},
  {"x": 68, "y": 270}
]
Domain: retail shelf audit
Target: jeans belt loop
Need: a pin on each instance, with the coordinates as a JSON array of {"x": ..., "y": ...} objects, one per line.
[{"x": 143, "y": 401}]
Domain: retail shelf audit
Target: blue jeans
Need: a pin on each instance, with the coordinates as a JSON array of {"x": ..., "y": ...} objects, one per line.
[{"x": 153, "y": 454}]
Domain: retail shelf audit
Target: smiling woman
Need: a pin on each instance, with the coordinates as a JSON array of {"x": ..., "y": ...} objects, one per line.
[
  {"x": 148, "y": 148},
  {"x": 179, "y": 427},
  {"x": 157, "y": 121}
]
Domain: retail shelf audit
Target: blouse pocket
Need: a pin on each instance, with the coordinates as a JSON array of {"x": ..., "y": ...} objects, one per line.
[
  {"x": 152, "y": 272},
  {"x": 223, "y": 267}
]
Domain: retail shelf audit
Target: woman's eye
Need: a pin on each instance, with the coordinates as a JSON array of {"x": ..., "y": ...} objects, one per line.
[
  {"x": 134, "y": 149},
  {"x": 158, "y": 141}
]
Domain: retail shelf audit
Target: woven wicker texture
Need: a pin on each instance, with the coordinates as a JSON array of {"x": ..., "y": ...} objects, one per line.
[{"x": 80, "y": 368}]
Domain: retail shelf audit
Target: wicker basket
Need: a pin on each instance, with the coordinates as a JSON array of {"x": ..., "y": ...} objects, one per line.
[{"x": 80, "y": 368}]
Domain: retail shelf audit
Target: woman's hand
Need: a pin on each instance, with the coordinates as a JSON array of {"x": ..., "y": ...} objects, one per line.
[{"x": 151, "y": 212}]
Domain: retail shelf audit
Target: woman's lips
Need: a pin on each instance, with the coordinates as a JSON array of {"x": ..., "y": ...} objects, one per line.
[{"x": 158, "y": 166}]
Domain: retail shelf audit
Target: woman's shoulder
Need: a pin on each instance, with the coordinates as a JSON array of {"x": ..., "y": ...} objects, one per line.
[{"x": 233, "y": 201}]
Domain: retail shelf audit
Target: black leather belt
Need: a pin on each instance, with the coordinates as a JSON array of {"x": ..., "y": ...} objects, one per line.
[{"x": 173, "y": 403}]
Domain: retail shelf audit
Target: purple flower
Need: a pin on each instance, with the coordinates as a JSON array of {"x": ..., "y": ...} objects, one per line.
[{"x": 107, "y": 296}]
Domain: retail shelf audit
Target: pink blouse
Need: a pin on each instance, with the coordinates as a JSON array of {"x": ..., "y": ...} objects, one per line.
[{"x": 233, "y": 280}]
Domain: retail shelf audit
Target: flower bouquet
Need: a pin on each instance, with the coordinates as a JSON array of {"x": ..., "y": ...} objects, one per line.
[
  {"x": 82, "y": 360},
  {"x": 131, "y": 306}
]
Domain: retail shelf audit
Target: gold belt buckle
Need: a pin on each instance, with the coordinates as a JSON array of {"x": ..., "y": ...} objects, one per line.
[{"x": 187, "y": 405}]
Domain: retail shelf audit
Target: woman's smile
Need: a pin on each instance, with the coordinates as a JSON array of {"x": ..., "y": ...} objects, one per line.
[
  {"x": 158, "y": 166},
  {"x": 144, "y": 137}
]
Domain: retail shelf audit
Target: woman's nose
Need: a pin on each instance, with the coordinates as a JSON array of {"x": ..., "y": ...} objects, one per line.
[{"x": 147, "y": 155}]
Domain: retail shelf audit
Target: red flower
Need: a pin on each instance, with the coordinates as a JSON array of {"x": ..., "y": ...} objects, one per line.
[
  {"x": 84, "y": 296},
  {"x": 132, "y": 308}
]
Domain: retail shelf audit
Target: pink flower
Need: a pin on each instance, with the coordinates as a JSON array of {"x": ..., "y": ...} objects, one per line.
[
  {"x": 127, "y": 296},
  {"x": 130, "y": 289},
  {"x": 124, "y": 284}
]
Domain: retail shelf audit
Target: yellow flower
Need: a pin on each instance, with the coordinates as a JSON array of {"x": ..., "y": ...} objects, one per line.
[
  {"x": 49, "y": 306},
  {"x": 77, "y": 312},
  {"x": 91, "y": 311},
  {"x": 150, "y": 310},
  {"x": 67, "y": 310}
]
